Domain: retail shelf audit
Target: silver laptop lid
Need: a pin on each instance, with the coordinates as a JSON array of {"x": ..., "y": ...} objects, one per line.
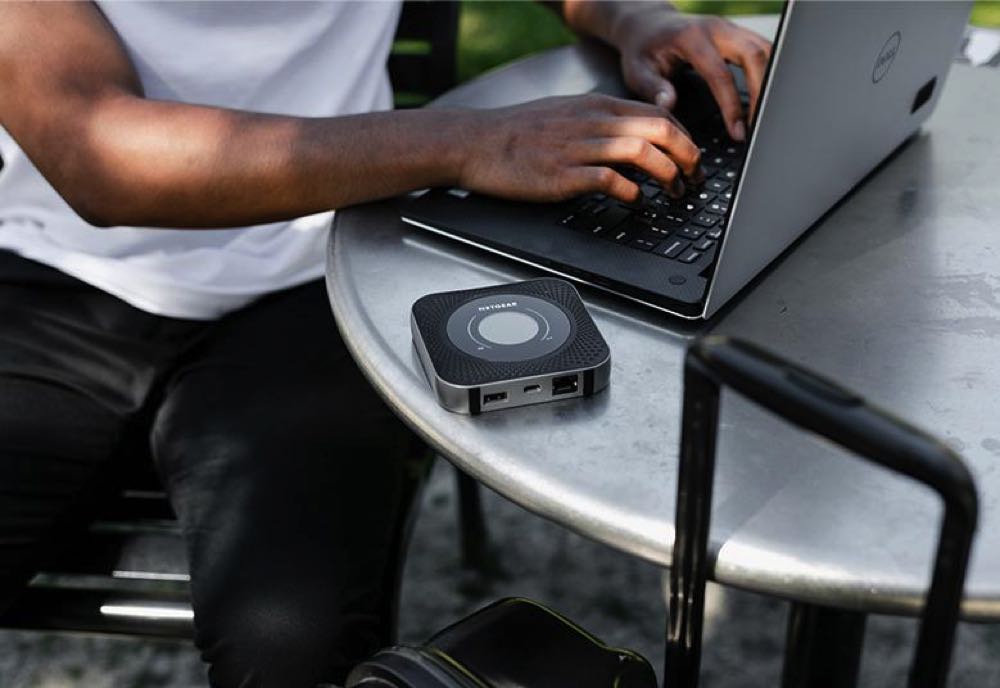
[{"x": 840, "y": 97}]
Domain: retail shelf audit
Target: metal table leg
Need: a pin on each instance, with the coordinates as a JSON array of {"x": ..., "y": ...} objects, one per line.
[
  {"x": 476, "y": 551},
  {"x": 823, "y": 647}
]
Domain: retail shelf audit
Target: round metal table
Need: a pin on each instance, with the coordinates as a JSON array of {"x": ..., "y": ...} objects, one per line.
[{"x": 895, "y": 294}]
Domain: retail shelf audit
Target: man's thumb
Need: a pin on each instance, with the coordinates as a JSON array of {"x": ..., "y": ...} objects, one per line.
[{"x": 648, "y": 82}]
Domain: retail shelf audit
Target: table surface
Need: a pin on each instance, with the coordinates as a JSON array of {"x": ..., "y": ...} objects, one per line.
[{"x": 896, "y": 294}]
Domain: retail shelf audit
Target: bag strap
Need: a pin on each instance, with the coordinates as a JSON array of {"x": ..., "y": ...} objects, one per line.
[{"x": 814, "y": 404}]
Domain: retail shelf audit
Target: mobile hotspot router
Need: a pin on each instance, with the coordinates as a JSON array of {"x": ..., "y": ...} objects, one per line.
[{"x": 510, "y": 345}]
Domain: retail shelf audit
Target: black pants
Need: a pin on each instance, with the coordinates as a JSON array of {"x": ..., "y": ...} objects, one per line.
[{"x": 284, "y": 468}]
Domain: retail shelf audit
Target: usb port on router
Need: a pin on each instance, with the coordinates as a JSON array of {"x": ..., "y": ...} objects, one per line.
[
  {"x": 493, "y": 398},
  {"x": 565, "y": 384}
]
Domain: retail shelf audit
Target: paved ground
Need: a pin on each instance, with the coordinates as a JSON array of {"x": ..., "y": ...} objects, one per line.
[{"x": 614, "y": 596}]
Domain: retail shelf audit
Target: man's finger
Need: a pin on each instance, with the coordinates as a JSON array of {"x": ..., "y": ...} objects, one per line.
[
  {"x": 590, "y": 179},
  {"x": 753, "y": 59},
  {"x": 668, "y": 136},
  {"x": 644, "y": 77},
  {"x": 710, "y": 65},
  {"x": 635, "y": 108},
  {"x": 759, "y": 40},
  {"x": 752, "y": 52},
  {"x": 666, "y": 97},
  {"x": 634, "y": 151}
]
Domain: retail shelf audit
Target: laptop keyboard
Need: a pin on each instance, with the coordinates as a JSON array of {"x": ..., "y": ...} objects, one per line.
[{"x": 687, "y": 229}]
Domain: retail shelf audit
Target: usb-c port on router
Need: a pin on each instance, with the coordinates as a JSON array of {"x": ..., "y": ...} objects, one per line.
[
  {"x": 495, "y": 397},
  {"x": 566, "y": 384}
]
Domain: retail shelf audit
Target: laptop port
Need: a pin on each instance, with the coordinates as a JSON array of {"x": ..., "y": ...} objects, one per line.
[
  {"x": 493, "y": 398},
  {"x": 532, "y": 389},
  {"x": 565, "y": 384}
]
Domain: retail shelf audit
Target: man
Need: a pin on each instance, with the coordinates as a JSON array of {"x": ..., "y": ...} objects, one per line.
[{"x": 209, "y": 340}]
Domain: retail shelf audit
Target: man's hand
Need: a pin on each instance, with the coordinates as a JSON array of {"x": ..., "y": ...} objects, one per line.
[
  {"x": 557, "y": 148},
  {"x": 654, "y": 40}
]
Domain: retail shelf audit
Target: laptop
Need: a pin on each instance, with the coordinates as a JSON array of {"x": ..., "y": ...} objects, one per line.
[{"x": 848, "y": 83}]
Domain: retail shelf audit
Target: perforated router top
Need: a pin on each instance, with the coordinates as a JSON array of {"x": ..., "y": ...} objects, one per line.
[{"x": 478, "y": 336}]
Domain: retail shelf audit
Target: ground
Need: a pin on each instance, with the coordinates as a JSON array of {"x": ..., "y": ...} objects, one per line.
[{"x": 616, "y": 597}]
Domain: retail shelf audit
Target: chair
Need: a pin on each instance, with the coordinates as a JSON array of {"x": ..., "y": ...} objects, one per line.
[
  {"x": 519, "y": 644},
  {"x": 128, "y": 572}
]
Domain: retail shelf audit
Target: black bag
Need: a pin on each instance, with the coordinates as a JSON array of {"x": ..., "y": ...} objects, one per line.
[{"x": 512, "y": 643}]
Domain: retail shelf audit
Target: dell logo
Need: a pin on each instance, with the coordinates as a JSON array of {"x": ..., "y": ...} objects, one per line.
[
  {"x": 885, "y": 57},
  {"x": 498, "y": 306}
]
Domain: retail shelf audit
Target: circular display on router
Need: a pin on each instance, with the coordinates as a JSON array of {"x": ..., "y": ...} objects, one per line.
[{"x": 508, "y": 327}]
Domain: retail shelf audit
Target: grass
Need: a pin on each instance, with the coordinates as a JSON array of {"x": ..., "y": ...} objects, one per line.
[
  {"x": 492, "y": 33},
  {"x": 986, "y": 13}
]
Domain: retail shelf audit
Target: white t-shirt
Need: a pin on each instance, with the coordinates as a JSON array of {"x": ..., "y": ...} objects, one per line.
[{"x": 294, "y": 58}]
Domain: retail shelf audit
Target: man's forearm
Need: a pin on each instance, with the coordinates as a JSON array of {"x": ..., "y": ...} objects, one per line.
[
  {"x": 138, "y": 162},
  {"x": 606, "y": 20},
  {"x": 73, "y": 101}
]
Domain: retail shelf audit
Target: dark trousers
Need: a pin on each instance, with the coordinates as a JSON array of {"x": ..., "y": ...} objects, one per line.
[{"x": 284, "y": 468}]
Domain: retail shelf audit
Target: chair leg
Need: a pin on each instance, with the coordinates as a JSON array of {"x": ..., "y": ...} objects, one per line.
[
  {"x": 823, "y": 647},
  {"x": 476, "y": 551},
  {"x": 416, "y": 471}
]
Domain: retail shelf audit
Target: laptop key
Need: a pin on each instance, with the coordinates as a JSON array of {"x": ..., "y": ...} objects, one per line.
[
  {"x": 613, "y": 216},
  {"x": 691, "y": 232},
  {"x": 642, "y": 244},
  {"x": 689, "y": 207},
  {"x": 703, "y": 244},
  {"x": 691, "y": 256},
  {"x": 578, "y": 221},
  {"x": 650, "y": 191},
  {"x": 636, "y": 227},
  {"x": 664, "y": 230},
  {"x": 677, "y": 207},
  {"x": 671, "y": 248},
  {"x": 716, "y": 185},
  {"x": 619, "y": 235},
  {"x": 705, "y": 219},
  {"x": 654, "y": 233},
  {"x": 715, "y": 233},
  {"x": 671, "y": 219},
  {"x": 717, "y": 207}
]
